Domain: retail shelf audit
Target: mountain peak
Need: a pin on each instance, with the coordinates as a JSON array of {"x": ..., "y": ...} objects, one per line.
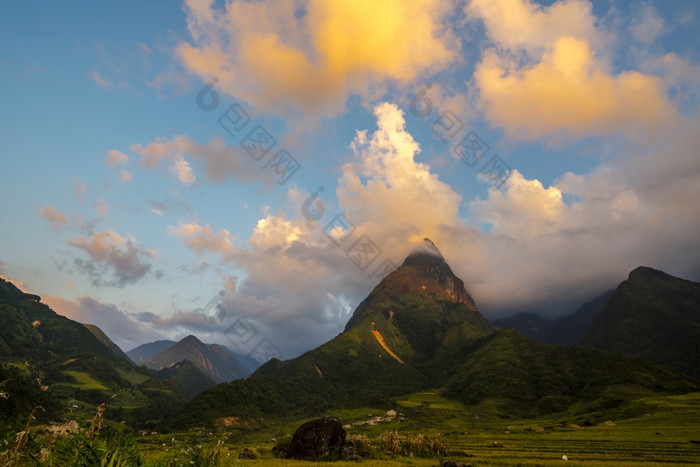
[
  {"x": 424, "y": 273},
  {"x": 424, "y": 253},
  {"x": 645, "y": 272},
  {"x": 190, "y": 338}
]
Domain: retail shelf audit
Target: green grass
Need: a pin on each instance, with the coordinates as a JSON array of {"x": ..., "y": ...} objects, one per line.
[
  {"x": 84, "y": 381},
  {"x": 132, "y": 376},
  {"x": 659, "y": 434},
  {"x": 21, "y": 366},
  {"x": 429, "y": 399}
]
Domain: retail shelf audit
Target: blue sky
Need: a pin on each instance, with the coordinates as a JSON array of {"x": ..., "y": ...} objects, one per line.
[{"x": 127, "y": 205}]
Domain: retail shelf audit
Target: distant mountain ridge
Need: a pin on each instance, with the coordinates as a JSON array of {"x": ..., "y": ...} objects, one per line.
[
  {"x": 563, "y": 330},
  {"x": 145, "y": 352},
  {"x": 213, "y": 360},
  {"x": 652, "y": 315}
]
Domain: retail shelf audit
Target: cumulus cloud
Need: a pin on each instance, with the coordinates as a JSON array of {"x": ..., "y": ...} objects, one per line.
[
  {"x": 115, "y": 157},
  {"x": 204, "y": 239},
  {"x": 57, "y": 219},
  {"x": 547, "y": 76},
  {"x": 383, "y": 168},
  {"x": 522, "y": 25},
  {"x": 113, "y": 260},
  {"x": 312, "y": 54}
]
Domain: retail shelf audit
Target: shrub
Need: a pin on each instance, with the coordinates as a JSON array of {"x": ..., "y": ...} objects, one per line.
[
  {"x": 390, "y": 441},
  {"x": 358, "y": 441}
]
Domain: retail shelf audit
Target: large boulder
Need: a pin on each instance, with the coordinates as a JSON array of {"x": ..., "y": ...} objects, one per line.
[{"x": 320, "y": 439}]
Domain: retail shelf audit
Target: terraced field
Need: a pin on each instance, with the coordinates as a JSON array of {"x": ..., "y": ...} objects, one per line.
[{"x": 664, "y": 431}]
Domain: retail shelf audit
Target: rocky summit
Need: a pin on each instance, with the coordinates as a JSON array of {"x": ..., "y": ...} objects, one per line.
[{"x": 424, "y": 273}]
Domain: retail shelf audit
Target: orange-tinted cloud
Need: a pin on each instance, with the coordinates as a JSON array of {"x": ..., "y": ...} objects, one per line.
[
  {"x": 568, "y": 93},
  {"x": 115, "y": 157},
  {"x": 203, "y": 238},
  {"x": 549, "y": 75},
  {"x": 311, "y": 55},
  {"x": 56, "y": 218}
]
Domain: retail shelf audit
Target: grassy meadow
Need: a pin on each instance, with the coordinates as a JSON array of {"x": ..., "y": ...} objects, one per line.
[{"x": 660, "y": 431}]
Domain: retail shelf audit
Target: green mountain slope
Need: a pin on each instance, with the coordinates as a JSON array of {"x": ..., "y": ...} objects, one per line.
[
  {"x": 104, "y": 338},
  {"x": 531, "y": 379},
  {"x": 53, "y": 361},
  {"x": 655, "y": 316},
  {"x": 185, "y": 377}
]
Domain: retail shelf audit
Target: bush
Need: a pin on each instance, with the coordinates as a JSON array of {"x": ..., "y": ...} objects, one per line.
[
  {"x": 390, "y": 441},
  {"x": 358, "y": 441}
]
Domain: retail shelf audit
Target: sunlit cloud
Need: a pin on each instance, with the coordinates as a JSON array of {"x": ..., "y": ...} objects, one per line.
[
  {"x": 203, "y": 239},
  {"x": 555, "y": 82},
  {"x": 311, "y": 55}
]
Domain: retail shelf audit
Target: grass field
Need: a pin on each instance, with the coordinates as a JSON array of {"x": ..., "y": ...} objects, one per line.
[
  {"x": 664, "y": 432},
  {"x": 84, "y": 381}
]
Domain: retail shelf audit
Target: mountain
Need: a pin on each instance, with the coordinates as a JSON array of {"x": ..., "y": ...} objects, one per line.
[
  {"x": 144, "y": 352},
  {"x": 419, "y": 329},
  {"x": 564, "y": 330},
  {"x": 186, "y": 377},
  {"x": 213, "y": 360},
  {"x": 50, "y": 360},
  {"x": 652, "y": 315},
  {"x": 102, "y": 337}
]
